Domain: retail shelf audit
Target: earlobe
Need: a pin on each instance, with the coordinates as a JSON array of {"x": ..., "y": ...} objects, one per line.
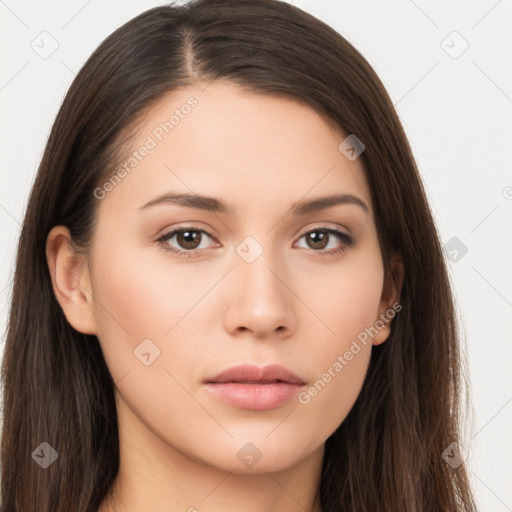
[
  {"x": 70, "y": 280},
  {"x": 390, "y": 300}
]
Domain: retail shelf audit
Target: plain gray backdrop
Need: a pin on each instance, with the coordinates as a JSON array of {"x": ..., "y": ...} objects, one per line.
[{"x": 447, "y": 66}]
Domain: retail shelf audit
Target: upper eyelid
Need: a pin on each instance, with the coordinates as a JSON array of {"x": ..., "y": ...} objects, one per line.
[
  {"x": 328, "y": 228},
  {"x": 173, "y": 231},
  {"x": 193, "y": 227}
]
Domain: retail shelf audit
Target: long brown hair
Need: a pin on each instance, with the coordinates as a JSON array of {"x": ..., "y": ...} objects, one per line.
[{"x": 387, "y": 454}]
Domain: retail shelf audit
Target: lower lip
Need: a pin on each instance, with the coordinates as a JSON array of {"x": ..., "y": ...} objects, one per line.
[{"x": 254, "y": 396}]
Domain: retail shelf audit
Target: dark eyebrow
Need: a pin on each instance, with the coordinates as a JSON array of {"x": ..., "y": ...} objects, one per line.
[
  {"x": 322, "y": 203},
  {"x": 198, "y": 201},
  {"x": 212, "y": 204}
]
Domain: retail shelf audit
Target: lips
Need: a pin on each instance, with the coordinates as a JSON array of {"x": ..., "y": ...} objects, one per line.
[
  {"x": 252, "y": 374},
  {"x": 251, "y": 387}
]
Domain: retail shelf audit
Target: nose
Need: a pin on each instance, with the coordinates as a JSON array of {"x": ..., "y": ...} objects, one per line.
[{"x": 260, "y": 302}]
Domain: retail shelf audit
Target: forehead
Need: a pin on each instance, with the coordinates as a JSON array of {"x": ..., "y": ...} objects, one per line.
[{"x": 220, "y": 140}]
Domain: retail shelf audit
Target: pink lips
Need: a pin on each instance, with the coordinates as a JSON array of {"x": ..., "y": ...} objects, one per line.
[{"x": 252, "y": 387}]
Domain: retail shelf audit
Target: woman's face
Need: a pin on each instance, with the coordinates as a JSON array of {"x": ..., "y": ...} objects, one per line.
[{"x": 257, "y": 276}]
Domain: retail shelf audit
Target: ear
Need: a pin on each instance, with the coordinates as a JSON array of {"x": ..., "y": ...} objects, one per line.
[
  {"x": 70, "y": 280},
  {"x": 390, "y": 300}
]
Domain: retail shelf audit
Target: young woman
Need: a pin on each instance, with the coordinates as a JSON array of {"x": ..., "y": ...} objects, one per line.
[{"x": 229, "y": 290}]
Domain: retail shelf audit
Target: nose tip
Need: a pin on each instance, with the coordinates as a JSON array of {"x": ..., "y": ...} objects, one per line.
[{"x": 260, "y": 303}]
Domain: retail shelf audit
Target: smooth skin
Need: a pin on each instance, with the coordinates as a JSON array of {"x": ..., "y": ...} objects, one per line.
[{"x": 297, "y": 304}]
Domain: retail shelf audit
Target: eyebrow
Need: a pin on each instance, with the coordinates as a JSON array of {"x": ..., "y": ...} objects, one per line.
[{"x": 212, "y": 204}]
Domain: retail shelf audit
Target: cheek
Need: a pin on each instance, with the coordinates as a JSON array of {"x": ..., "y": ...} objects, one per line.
[
  {"x": 345, "y": 296},
  {"x": 331, "y": 395},
  {"x": 139, "y": 296},
  {"x": 143, "y": 291},
  {"x": 347, "y": 302}
]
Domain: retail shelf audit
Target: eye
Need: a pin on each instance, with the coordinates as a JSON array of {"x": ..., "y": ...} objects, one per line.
[
  {"x": 189, "y": 240},
  {"x": 320, "y": 238}
]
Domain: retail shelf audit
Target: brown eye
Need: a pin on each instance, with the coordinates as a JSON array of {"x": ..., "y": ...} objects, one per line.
[
  {"x": 319, "y": 239},
  {"x": 185, "y": 241}
]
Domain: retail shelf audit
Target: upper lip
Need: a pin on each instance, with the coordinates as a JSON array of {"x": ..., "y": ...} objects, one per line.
[{"x": 253, "y": 373}]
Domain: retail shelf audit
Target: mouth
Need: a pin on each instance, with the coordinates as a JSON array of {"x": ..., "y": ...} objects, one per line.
[
  {"x": 255, "y": 388},
  {"x": 223, "y": 381}
]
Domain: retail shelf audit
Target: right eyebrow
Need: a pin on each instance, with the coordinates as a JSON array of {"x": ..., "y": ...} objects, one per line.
[{"x": 198, "y": 201}]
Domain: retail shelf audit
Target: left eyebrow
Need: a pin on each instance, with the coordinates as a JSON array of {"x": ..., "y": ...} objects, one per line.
[
  {"x": 321, "y": 203},
  {"x": 212, "y": 204}
]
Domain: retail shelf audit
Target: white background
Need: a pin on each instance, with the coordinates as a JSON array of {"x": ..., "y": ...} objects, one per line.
[{"x": 457, "y": 113}]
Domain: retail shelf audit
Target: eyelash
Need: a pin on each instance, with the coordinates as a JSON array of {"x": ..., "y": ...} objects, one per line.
[{"x": 347, "y": 240}]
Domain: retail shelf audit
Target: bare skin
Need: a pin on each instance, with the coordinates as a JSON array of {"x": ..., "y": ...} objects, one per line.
[{"x": 297, "y": 303}]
